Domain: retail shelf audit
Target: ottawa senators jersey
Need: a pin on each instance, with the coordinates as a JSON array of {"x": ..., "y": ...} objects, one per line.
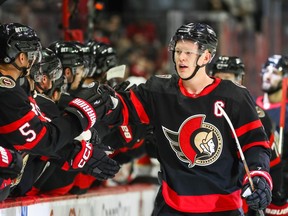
[
  {"x": 24, "y": 127},
  {"x": 200, "y": 164}
]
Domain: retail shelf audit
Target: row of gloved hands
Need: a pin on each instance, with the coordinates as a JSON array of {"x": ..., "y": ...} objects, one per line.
[{"x": 90, "y": 154}]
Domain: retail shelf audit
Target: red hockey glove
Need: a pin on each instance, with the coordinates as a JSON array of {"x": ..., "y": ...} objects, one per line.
[
  {"x": 261, "y": 197},
  {"x": 11, "y": 163},
  {"x": 81, "y": 153},
  {"x": 273, "y": 210},
  {"x": 84, "y": 154}
]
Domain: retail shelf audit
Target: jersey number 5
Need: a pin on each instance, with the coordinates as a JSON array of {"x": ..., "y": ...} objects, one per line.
[{"x": 26, "y": 131}]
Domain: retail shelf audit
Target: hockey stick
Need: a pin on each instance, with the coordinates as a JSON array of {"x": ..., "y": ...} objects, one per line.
[
  {"x": 282, "y": 115},
  {"x": 261, "y": 213}
]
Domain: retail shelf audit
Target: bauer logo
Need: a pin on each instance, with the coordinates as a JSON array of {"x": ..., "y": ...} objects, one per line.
[{"x": 196, "y": 142}]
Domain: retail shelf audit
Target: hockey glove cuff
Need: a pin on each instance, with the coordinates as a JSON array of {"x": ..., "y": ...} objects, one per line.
[
  {"x": 81, "y": 153},
  {"x": 11, "y": 163},
  {"x": 273, "y": 210},
  {"x": 83, "y": 111}
]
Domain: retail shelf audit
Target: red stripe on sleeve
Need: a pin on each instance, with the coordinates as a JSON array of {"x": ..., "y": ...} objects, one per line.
[
  {"x": 139, "y": 108},
  {"x": 248, "y": 127},
  {"x": 125, "y": 112},
  {"x": 260, "y": 143},
  {"x": 15, "y": 125}
]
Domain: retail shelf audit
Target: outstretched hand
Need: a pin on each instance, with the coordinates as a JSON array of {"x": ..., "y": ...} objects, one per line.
[{"x": 101, "y": 166}]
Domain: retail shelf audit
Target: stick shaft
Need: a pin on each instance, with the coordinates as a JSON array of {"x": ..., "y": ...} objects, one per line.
[
  {"x": 282, "y": 114},
  {"x": 260, "y": 212}
]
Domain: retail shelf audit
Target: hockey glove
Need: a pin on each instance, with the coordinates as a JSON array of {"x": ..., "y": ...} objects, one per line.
[
  {"x": 11, "y": 163},
  {"x": 100, "y": 165},
  {"x": 91, "y": 103},
  {"x": 261, "y": 197},
  {"x": 82, "y": 151}
]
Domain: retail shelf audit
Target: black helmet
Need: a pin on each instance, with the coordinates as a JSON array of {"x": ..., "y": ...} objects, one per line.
[
  {"x": 86, "y": 55},
  {"x": 228, "y": 64},
  {"x": 92, "y": 62},
  {"x": 200, "y": 33},
  {"x": 105, "y": 57},
  {"x": 16, "y": 38},
  {"x": 49, "y": 65},
  {"x": 278, "y": 62},
  {"x": 69, "y": 53}
]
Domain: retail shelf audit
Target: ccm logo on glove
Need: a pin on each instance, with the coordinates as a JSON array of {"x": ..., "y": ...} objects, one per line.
[{"x": 83, "y": 156}]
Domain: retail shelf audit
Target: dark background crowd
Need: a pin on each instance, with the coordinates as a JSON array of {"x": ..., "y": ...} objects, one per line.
[{"x": 140, "y": 30}]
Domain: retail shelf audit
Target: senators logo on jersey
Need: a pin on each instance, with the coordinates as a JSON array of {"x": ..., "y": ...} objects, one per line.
[
  {"x": 196, "y": 142},
  {"x": 7, "y": 82}
]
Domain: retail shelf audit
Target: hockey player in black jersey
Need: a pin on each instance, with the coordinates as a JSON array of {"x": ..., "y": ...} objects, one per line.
[
  {"x": 232, "y": 68},
  {"x": 22, "y": 125},
  {"x": 61, "y": 171},
  {"x": 274, "y": 70},
  {"x": 200, "y": 165}
]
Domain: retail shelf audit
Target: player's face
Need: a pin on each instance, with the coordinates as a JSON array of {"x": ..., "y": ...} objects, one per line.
[
  {"x": 185, "y": 56},
  {"x": 271, "y": 79},
  {"x": 226, "y": 76},
  {"x": 46, "y": 82},
  {"x": 78, "y": 77}
]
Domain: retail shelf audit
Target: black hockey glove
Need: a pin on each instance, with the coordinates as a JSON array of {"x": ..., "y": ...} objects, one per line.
[
  {"x": 11, "y": 163},
  {"x": 100, "y": 165},
  {"x": 122, "y": 86},
  {"x": 261, "y": 197},
  {"x": 91, "y": 103},
  {"x": 125, "y": 136}
]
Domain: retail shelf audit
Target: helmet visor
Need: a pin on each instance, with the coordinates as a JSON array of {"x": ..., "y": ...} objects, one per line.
[{"x": 56, "y": 73}]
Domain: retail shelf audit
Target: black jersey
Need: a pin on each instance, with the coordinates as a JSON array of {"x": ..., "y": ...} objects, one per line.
[
  {"x": 23, "y": 126},
  {"x": 200, "y": 163}
]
